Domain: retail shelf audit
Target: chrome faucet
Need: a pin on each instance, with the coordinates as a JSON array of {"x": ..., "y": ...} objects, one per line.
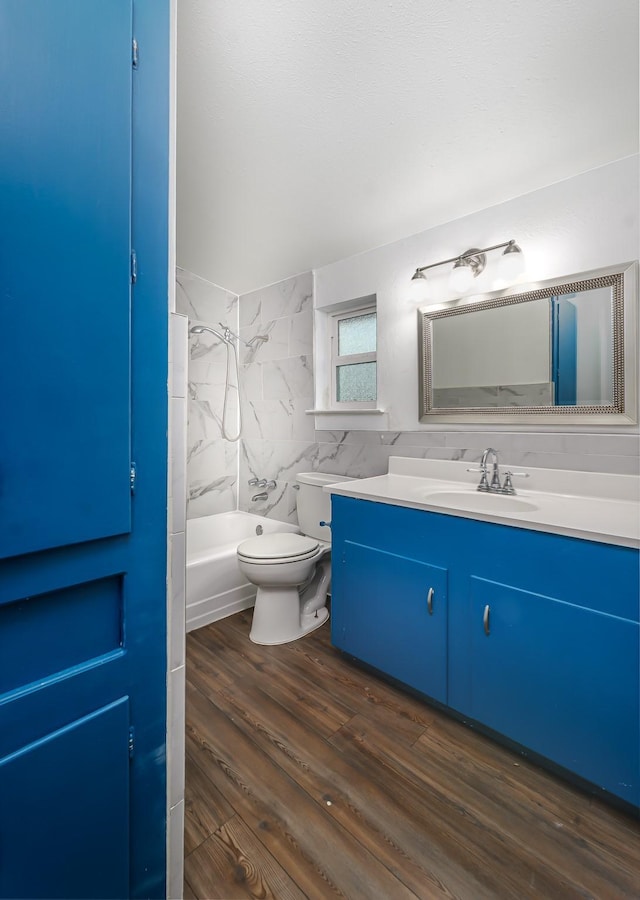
[
  {"x": 495, "y": 486},
  {"x": 262, "y": 496}
]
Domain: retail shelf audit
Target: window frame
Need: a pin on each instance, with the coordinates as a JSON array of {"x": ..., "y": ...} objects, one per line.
[{"x": 350, "y": 359}]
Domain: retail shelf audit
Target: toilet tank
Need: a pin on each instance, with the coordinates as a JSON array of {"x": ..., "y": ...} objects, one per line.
[{"x": 313, "y": 504}]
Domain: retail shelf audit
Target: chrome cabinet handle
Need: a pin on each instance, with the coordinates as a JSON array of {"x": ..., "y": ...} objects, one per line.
[
  {"x": 485, "y": 619},
  {"x": 430, "y": 601}
]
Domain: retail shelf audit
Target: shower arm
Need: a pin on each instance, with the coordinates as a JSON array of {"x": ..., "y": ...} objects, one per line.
[{"x": 228, "y": 334}]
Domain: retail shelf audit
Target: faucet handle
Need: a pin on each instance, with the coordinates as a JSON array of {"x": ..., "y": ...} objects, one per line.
[
  {"x": 270, "y": 484},
  {"x": 507, "y": 487}
]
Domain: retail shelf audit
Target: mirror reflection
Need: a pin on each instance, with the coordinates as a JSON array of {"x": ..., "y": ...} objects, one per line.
[{"x": 557, "y": 348}]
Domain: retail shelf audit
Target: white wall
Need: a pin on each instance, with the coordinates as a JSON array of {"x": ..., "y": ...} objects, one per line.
[{"x": 573, "y": 226}]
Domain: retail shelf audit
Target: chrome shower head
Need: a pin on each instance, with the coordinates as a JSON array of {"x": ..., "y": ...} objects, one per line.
[{"x": 199, "y": 329}]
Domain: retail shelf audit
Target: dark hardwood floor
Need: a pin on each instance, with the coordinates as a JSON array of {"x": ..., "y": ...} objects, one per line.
[{"x": 309, "y": 777}]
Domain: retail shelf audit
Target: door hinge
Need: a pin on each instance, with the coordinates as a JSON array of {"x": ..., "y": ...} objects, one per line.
[
  {"x": 134, "y": 267},
  {"x": 133, "y": 473},
  {"x": 134, "y": 53},
  {"x": 131, "y": 742}
]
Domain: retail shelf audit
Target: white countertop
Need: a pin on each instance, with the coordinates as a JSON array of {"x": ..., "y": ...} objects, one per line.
[{"x": 588, "y": 505}]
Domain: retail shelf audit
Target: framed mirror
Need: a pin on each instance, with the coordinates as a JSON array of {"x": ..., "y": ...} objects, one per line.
[{"x": 559, "y": 349}]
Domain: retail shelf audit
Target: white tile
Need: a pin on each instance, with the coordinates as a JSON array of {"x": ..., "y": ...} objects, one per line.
[
  {"x": 210, "y": 499},
  {"x": 178, "y": 463},
  {"x": 249, "y": 308},
  {"x": 175, "y": 852},
  {"x": 177, "y": 545},
  {"x": 279, "y": 420},
  {"x": 275, "y": 347},
  {"x": 288, "y": 378},
  {"x": 176, "y": 735},
  {"x": 251, "y": 382},
  {"x": 208, "y": 360},
  {"x": 178, "y": 355},
  {"x": 203, "y": 301},
  {"x": 288, "y": 297},
  {"x": 301, "y": 334}
]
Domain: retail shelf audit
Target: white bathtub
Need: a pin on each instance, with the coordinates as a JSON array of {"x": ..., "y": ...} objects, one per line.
[{"x": 215, "y": 587}]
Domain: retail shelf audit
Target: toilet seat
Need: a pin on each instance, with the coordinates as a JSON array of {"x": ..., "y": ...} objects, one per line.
[{"x": 278, "y": 548}]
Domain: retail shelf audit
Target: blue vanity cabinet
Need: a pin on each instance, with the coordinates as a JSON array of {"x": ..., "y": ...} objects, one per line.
[
  {"x": 559, "y": 679},
  {"x": 390, "y": 609},
  {"x": 539, "y": 641}
]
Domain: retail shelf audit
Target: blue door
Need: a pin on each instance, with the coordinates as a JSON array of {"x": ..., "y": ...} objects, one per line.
[
  {"x": 83, "y": 366},
  {"x": 564, "y": 349}
]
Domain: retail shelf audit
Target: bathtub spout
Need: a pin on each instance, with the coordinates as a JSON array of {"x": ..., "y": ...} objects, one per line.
[{"x": 262, "y": 496}]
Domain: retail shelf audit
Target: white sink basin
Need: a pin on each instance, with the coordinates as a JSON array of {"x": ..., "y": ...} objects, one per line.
[{"x": 476, "y": 501}]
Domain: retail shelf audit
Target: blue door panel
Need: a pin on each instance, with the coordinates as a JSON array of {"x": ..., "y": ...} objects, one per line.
[
  {"x": 383, "y": 615},
  {"x": 63, "y": 629},
  {"x": 83, "y": 562},
  {"x": 65, "y": 247},
  {"x": 560, "y": 679},
  {"x": 78, "y": 774}
]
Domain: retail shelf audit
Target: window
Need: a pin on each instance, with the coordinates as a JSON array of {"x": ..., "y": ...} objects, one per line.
[{"x": 353, "y": 359}]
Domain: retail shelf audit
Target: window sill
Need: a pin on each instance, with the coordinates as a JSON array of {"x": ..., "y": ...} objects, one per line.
[
  {"x": 350, "y": 419},
  {"x": 345, "y": 412}
]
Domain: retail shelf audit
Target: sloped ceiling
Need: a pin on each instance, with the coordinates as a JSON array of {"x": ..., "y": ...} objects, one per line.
[{"x": 310, "y": 130}]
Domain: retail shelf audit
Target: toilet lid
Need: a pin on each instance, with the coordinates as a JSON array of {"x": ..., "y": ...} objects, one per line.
[{"x": 278, "y": 546}]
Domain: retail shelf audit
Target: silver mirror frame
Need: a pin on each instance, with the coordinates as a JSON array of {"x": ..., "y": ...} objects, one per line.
[{"x": 623, "y": 280}]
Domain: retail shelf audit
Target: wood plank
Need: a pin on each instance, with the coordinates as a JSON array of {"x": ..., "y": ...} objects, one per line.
[
  {"x": 205, "y": 807},
  {"x": 233, "y": 864},
  {"x": 332, "y": 850}
]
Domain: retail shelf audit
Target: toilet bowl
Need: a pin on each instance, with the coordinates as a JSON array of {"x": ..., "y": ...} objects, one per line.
[{"x": 292, "y": 572}]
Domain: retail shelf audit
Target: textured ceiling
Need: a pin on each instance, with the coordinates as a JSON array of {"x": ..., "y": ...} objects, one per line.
[{"x": 310, "y": 130}]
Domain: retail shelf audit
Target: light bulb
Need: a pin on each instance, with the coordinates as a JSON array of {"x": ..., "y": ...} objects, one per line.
[
  {"x": 511, "y": 265},
  {"x": 419, "y": 288},
  {"x": 461, "y": 277}
]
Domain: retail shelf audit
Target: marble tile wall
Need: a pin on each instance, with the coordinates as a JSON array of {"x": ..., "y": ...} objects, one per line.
[
  {"x": 276, "y": 387},
  {"x": 212, "y": 461},
  {"x": 279, "y": 440}
]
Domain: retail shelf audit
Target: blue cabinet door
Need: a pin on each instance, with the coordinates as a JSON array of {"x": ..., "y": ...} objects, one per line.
[
  {"x": 391, "y": 611},
  {"x": 559, "y": 679},
  {"x": 84, "y": 161}
]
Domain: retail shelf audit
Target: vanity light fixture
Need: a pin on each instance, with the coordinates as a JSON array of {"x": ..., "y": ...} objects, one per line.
[{"x": 469, "y": 265}]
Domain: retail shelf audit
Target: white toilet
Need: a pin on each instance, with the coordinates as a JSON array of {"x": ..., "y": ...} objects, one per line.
[{"x": 292, "y": 571}]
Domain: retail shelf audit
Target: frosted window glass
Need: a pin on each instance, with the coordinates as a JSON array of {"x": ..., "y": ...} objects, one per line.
[
  {"x": 357, "y": 335},
  {"x": 356, "y": 382}
]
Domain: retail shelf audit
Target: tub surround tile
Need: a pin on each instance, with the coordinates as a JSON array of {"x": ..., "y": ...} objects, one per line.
[
  {"x": 175, "y": 852},
  {"x": 178, "y": 355},
  {"x": 284, "y": 420},
  {"x": 285, "y": 298},
  {"x": 178, "y": 463},
  {"x": 216, "y": 496},
  {"x": 208, "y": 359},
  {"x": 301, "y": 334},
  {"x": 286, "y": 379},
  {"x": 276, "y": 347},
  {"x": 177, "y": 599},
  {"x": 203, "y": 301},
  {"x": 176, "y": 734}
]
